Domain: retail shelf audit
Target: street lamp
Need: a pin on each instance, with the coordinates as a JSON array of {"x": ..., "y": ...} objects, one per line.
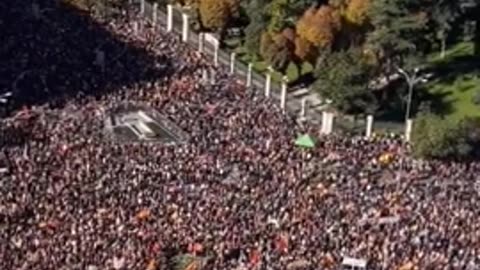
[
  {"x": 4, "y": 97},
  {"x": 412, "y": 79}
]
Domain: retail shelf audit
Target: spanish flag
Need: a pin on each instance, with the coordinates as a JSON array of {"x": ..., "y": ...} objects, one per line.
[{"x": 255, "y": 257}]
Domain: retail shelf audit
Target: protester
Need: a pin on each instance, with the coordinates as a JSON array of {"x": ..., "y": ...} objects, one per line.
[{"x": 238, "y": 194}]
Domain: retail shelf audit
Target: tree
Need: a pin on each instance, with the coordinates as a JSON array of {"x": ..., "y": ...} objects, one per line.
[
  {"x": 356, "y": 11},
  {"x": 277, "y": 50},
  {"x": 266, "y": 42},
  {"x": 191, "y": 3},
  {"x": 471, "y": 128},
  {"x": 278, "y": 13},
  {"x": 469, "y": 12},
  {"x": 472, "y": 10},
  {"x": 258, "y": 24},
  {"x": 397, "y": 30},
  {"x": 284, "y": 13},
  {"x": 215, "y": 14},
  {"x": 443, "y": 14},
  {"x": 233, "y": 7},
  {"x": 305, "y": 50},
  {"x": 319, "y": 26},
  {"x": 344, "y": 77},
  {"x": 436, "y": 137}
]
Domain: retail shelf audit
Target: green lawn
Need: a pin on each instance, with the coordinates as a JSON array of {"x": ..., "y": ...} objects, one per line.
[
  {"x": 457, "y": 96},
  {"x": 293, "y": 73},
  {"x": 457, "y": 82},
  {"x": 459, "y": 50}
]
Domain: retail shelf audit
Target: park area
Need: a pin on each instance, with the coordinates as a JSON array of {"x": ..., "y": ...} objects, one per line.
[{"x": 455, "y": 91}]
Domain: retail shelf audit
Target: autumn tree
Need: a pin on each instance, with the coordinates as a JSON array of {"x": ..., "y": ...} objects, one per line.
[
  {"x": 305, "y": 50},
  {"x": 277, "y": 50},
  {"x": 215, "y": 14},
  {"x": 356, "y": 11},
  {"x": 319, "y": 26}
]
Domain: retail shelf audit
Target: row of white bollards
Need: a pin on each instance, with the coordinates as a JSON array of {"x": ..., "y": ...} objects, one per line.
[{"x": 327, "y": 117}]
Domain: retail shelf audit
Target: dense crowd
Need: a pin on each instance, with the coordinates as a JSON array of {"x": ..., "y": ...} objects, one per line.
[{"x": 238, "y": 195}]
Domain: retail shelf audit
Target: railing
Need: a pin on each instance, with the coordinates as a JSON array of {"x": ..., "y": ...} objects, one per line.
[{"x": 343, "y": 124}]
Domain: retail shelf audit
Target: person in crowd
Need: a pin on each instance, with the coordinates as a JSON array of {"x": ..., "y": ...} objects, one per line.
[{"x": 238, "y": 194}]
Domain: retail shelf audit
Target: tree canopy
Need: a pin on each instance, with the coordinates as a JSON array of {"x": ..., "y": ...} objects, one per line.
[
  {"x": 343, "y": 77},
  {"x": 319, "y": 25}
]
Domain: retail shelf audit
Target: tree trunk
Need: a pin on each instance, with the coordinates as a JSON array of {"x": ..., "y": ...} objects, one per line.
[
  {"x": 443, "y": 47},
  {"x": 476, "y": 38}
]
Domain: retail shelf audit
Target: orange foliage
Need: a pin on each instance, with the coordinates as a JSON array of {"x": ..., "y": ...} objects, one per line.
[
  {"x": 304, "y": 50},
  {"x": 289, "y": 33},
  {"x": 356, "y": 12},
  {"x": 319, "y": 26}
]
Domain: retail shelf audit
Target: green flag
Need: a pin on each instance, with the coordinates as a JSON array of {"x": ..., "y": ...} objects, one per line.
[{"x": 305, "y": 141}]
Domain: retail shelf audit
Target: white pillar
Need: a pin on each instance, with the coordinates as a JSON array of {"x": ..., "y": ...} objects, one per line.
[
  {"x": 154, "y": 15},
  {"x": 142, "y": 7},
  {"x": 249, "y": 74},
  {"x": 369, "y": 128},
  {"x": 201, "y": 38},
  {"x": 215, "y": 54},
  {"x": 169, "y": 18},
  {"x": 329, "y": 127},
  {"x": 324, "y": 122},
  {"x": 232, "y": 62},
  {"x": 36, "y": 10},
  {"x": 185, "y": 27},
  {"x": 408, "y": 130},
  {"x": 268, "y": 82},
  {"x": 283, "y": 98},
  {"x": 303, "y": 109}
]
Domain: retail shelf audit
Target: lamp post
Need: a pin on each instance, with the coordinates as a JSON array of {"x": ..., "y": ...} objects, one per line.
[
  {"x": 5, "y": 97},
  {"x": 412, "y": 80}
]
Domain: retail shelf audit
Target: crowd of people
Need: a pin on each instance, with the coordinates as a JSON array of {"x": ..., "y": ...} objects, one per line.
[{"x": 238, "y": 195}]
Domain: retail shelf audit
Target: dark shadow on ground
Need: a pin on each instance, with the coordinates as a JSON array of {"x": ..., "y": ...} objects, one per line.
[
  {"x": 303, "y": 80},
  {"x": 444, "y": 72},
  {"x": 448, "y": 71},
  {"x": 52, "y": 58},
  {"x": 395, "y": 108}
]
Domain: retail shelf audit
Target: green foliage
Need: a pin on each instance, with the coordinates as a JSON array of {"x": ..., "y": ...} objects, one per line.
[
  {"x": 439, "y": 138},
  {"x": 471, "y": 129},
  {"x": 442, "y": 15},
  {"x": 278, "y": 11},
  {"x": 343, "y": 77},
  {"x": 277, "y": 50},
  {"x": 258, "y": 24},
  {"x": 398, "y": 26},
  {"x": 476, "y": 98}
]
